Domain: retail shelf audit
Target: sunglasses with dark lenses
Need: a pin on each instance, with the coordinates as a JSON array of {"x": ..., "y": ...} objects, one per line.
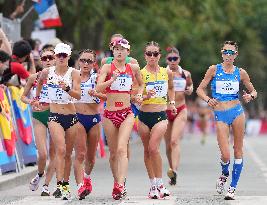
[
  {"x": 48, "y": 57},
  {"x": 62, "y": 55},
  {"x": 174, "y": 58},
  {"x": 88, "y": 61},
  {"x": 155, "y": 53},
  {"x": 229, "y": 52}
]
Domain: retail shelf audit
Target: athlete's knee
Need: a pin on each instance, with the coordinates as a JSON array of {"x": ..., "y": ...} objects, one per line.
[
  {"x": 153, "y": 150},
  {"x": 61, "y": 151},
  {"x": 173, "y": 143},
  {"x": 80, "y": 156},
  {"x": 112, "y": 156},
  {"x": 122, "y": 151}
]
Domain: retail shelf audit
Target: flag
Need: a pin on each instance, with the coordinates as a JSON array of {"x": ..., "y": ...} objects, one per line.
[
  {"x": 22, "y": 115},
  {"x": 48, "y": 13},
  {"x": 6, "y": 125}
]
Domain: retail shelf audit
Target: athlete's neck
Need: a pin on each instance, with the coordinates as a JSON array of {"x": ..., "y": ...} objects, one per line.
[
  {"x": 85, "y": 75},
  {"x": 119, "y": 64},
  {"x": 152, "y": 67},
  {"x": 228, "y": 66},
  {"x": 61, "y": 69},
  {"x": 174, "y": 68}
]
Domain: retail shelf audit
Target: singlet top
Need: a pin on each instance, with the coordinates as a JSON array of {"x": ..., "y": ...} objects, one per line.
[
  {"x": 44, "y": 92},
  {"x": 179, "y": 82},
  {"x": 55, "y": 93},
  {"x": 110, "y": 59},
  {"x": 225, "y": 86},
  {"x": 158, "y": 82},
  {"x": 90, "y": 84},
  {"x": 123, "y": 83}
]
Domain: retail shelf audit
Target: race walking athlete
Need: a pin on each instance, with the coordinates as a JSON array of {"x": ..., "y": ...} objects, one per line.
[
  {"x": 63, "y": 85},
  {"x": 89, "y": 129},
  {"x": 152, "y": 117},
  {"x": 117, "y": 79},
  {"x": 183, "y": 85},
  {"x": 40, "y": 119},
  {"x": 225, "y": 81}
]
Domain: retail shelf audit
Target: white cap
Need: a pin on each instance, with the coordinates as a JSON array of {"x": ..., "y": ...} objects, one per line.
[
  {"x": 62, "y": 48},
  {"x": 122, "y": 42}
]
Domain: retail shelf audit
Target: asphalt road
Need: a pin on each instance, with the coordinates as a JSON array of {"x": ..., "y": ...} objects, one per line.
[{"x": 199, "y": 170}]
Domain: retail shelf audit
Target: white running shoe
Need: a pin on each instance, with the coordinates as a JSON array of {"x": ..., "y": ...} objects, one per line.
[
  {"x": 34, "y": 184},
  {"x": 230, "y": 195},
  {"x": 153, "y": 193},
  {"x": 163, "y": 191},
  {"x": 220, "y": 184},
  {"x": 45, "y": 191}
]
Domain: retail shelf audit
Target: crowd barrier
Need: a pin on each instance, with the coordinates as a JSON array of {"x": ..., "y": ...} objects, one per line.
[{"x": 17, "y": 146}]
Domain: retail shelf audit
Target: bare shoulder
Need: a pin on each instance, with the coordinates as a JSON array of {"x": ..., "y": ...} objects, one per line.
[
  {"x": 105, "y": 68},
  {"x": 134, "y": 67},
  {"x": 133, "y": 61},
  {"x": 187, "y": 73}
]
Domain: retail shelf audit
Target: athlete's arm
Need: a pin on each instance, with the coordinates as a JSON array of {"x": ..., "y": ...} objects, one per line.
[
  {"x": 101, "y": 83},
  {"x": 189, "y": 84},
  {"x": 75, "y": 92},
  {"x": 137, "y": 74},
  {"x": 103, "y": 61},
  {"x": 27, "y": 89},
  {"x": 171, "y": 92},
  {"x": 249, "y": 86},
  {"x": 204, "y": 83},
  {"x": 40, "y": 81}
]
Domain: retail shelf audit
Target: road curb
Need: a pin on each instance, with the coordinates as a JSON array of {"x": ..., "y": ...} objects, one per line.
[{"x": 12, "y": 180}]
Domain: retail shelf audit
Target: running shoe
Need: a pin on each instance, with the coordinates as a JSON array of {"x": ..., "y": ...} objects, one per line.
[
  {"x": 153, "y": 193},
  {"x": 34, "y": 184},
  {"x": 118, "y": 191},
  {"x": 85, "y": 189},
  {"x": 58, "y": 192},
  {"x": 230, "y": 195},
  {"x": 45, "y": 191},
  {"x": 220, "y": 184},
  {"x": 172, "y": 175},
  {"x": 66, "y": 192},
  {"x": 163, "y": 191}
]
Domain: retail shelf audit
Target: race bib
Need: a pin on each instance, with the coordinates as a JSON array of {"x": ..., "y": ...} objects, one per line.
[
  {"x": 179, "y": 84},
  {"x": 85, "y": 97},
  {"x": 57, "y": 95},
  {"x": 122, "y": 83},
  {"x": 44, "y": 94},
  {"x": 160, "y": 87},
  {"x": 227, "y": 87}
]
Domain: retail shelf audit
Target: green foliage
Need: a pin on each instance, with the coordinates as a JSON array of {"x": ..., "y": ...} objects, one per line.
[{"x": 196, "y": 27}]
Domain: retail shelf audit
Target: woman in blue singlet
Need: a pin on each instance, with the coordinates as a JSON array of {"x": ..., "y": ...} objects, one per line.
[{"x": 225, "y": 79}]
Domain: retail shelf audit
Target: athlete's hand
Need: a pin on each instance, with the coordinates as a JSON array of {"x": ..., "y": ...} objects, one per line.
[
  {"x": 188, "y": 90},
  {"x": 138, "y": 99},
  {"x": 36, "y": 106},
  {"x": 151, "y": 93},
  {"x": 246, "y": 96},
  {"x": 212, "y": 102},
  {"x": 93, "y": 93},
  {"x": 62, "y": 85},
  {"x": 116, "y": 73}
]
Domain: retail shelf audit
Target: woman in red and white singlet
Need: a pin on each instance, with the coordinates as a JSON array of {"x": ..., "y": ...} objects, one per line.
[{"x": 117, "y": 79}]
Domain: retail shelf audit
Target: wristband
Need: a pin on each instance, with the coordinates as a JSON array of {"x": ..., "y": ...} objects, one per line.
[
  {"x": 67, "y": 89},
  {"x": 208, "y": 100},
  {"x": 252, "y": 96}
]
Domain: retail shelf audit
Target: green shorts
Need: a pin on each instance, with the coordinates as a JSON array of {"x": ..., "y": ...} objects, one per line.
[
  {"x": 41, "y": 116},
  {"x": 152, "y": 118}
]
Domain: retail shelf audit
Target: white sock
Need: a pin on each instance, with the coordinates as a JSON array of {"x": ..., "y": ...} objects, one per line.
[
  {"x": 79, "y": 185},
  {"x": 86, "y": 176},
  {"x": 153, "y": 181},
  {"x": 159, "y": 181}
]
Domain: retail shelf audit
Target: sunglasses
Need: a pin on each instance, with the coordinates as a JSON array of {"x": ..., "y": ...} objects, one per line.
[
  {"x": 174, "y": 58},
  {"x": 88, "y": 61},
  {"x": 62, "y": 55},
  {"x": 48, "y": 57},
  {"x": 155, "y": 53},
  {"x": 229, "y": 52}
]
